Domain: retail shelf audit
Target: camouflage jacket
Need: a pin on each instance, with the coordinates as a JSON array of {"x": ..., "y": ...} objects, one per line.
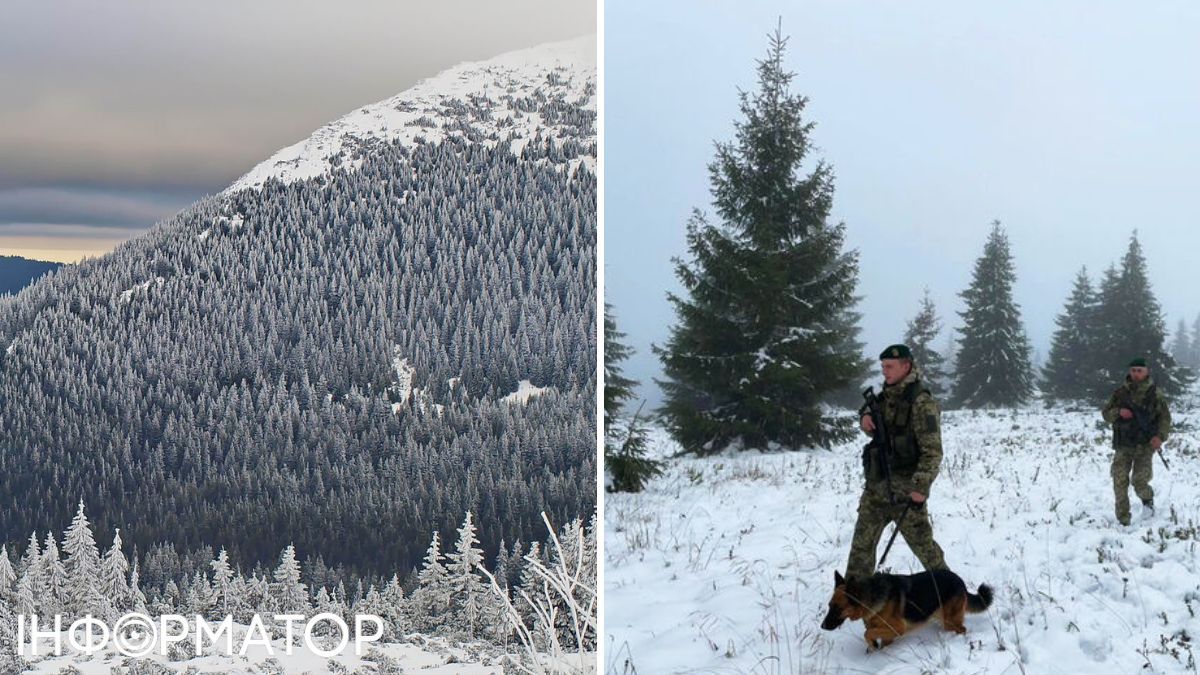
[
  {"x": 916, "y": 436},
  {"x": 1152, "y": 416}
]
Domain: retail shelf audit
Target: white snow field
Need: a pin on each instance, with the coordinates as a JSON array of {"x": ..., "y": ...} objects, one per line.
[{"x": 725, "y": 564}]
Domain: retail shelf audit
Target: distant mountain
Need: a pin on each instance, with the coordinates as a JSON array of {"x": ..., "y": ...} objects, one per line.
[
  {"x": 17, "y": 272},
  {"x": 327, "y": 353}
]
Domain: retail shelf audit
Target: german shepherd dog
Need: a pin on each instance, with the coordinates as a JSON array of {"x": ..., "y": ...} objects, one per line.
[{"x": 892, "y": 604}]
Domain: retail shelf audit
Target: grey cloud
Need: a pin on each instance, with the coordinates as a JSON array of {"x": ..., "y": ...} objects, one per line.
[
  {"x": 89, "y": 208},
  {"x": 191, "y": 94},
  {"x": 53, "y": 231}
]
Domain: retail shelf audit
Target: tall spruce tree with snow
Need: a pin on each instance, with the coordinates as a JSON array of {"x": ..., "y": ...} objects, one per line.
[
  {"x": 470, "y": 598},
  {"x": 137, "y": 599},
  {"x": 1133, "y": 326},
  {"x": 221, "y": 582},
  {"x": 114, "y": 571},
  {"x": 32, "y": 555},
  {"x": 395, "y": 607},
  {"x": 431, "y": 599},
  {"x": 921, "y": 333},
  {"x": 27, "y": 602},
  {"x": 83, "y": 566},
  {"x": 993, "y": 367},
  {"x": 625, "y": 460},
  {"x": 291, "y": 596},
  {"x": 765, "y": 329},
  {"x": 56, "y": 596},
  {"x": 1070, "y": 371},
  {"x": 8, "y": 577}
]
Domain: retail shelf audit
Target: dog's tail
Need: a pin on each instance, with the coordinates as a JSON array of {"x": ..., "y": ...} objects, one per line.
[{"x": 980, "y": 602}]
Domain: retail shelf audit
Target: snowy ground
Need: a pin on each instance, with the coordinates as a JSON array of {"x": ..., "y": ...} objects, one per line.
[{"x": 726, "y": 564}]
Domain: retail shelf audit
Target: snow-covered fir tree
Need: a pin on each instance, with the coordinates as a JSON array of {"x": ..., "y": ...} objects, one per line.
[
  {"x": 1070, "y": 371},
  {"x": 920, "y": 335},
  {"x": 82, "y": 566},
  {"x": 137, "y": 599},
  {"x": 290, "y": 594},
  {"x": 222, "y": 582},
  {"x": 993, "y": 365},
  {"x": 765, "y": 327},
  {"x": 55, "y": 596},
  {"x": 431, "y": 599},
  {"x": 471, "y": 602},
  {"x": 8, "y": 577},
  {"x": 114, "y": 576},
  {"x": 1132, "y": 325}
]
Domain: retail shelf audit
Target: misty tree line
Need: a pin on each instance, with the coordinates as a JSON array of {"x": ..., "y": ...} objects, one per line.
[
  {"x": 449, "y": 597},
  {"x": 1185, "y": 344},
  {"x": 765, "y": 352},
  {"x": 231, "y": 376}
]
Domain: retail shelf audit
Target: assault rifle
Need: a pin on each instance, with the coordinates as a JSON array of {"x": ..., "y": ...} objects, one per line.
[
  {"x": 881, "y": 441},
  {"x": 1144, "y": 425}
]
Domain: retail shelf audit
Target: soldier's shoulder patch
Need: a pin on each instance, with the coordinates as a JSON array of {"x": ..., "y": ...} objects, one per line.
[{"x": 931, "y": 422}]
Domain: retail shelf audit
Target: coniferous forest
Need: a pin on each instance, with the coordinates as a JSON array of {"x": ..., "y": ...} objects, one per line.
[{"x": 324, "y": 364}]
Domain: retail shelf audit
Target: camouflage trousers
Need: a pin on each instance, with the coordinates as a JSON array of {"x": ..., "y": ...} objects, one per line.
[
  {"x": 1140, "y": 462},
  {"x": 874, "y": 513}
]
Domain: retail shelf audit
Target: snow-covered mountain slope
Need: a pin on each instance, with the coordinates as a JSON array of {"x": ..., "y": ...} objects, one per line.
[
  {"x": 384, "y": 312},
  {"x": 726, "y": 564},
  {"x": 509, "y": 99}
]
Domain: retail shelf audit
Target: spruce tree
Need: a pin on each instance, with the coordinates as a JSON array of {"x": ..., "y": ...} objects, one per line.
[
  {"x": 1070, "y": 370},
  {"x": 618, "y": 389},
  {"x": 920, "y": 335},
  {"x": 431, "y": 600},
  {"x": 55, "y": 594},
  {"x": 1133, "y": 326},
  {"x": 625, "y": 459},
  {"x": 82, "y": 566},
  {"x": 8, "y": 577},
  {"x": 469, "y": 595},
  {"x": 291, "y": 595},
  {"x": 222, "y": 582},
  {"x": 1193, "y": 360},
  {"x": 765, "y": 329},
  {"x": 137, "y": 598},
  {"x": 993, "y": 358},
  {"x": 114, "y": 570},
  {"x": 1181, "y": 344}
]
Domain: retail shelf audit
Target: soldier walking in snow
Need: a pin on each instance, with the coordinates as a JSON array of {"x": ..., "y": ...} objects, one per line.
[
  {"x": 900, "y": 465},
  {"x": 1141, "y": 422}
]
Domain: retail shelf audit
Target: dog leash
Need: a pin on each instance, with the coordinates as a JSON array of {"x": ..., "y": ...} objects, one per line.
[{"x": 894, "y": 533}]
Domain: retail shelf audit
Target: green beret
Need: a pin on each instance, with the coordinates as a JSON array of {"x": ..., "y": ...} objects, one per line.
[
  {"x": 1139, "y": 362},
  {"x": 896, "y": 352}
]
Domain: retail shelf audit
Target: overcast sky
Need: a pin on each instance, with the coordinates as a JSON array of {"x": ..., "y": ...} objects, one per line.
[
  {"x": 116, "y": 114},
  {"x": 1072, "y": 122}
]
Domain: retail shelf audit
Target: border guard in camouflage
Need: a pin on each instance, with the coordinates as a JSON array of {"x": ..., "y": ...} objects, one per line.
[
  {"x": 1141, "y": 423},
  {"x": 900, "y": 465}
]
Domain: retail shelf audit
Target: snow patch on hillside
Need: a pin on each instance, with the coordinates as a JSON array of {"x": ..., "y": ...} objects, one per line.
[
  {"x": 493, "y": 102},
  {"x": 525, "y": 391},
  {"x": 726, "y": 564},
  {"x": 402, "y": 387},
  {"x": 140, "y": 289}
]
